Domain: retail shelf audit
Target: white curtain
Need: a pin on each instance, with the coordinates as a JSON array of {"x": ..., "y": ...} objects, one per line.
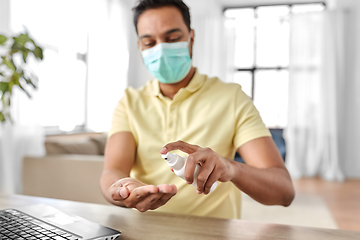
[
  {"x": 24, "y": 136},
  {"x": 213, "y": 50},
  {"x": 316, "y": 73},
  {"x": 211, "y": 47},
  {"x": 108, "y": 59},
  {"x": 138, "y": 75},
  {"x": 17, "y": 141}
]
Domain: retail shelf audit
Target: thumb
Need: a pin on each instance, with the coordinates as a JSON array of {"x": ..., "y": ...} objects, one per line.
[{"x": 124, "y": 192}]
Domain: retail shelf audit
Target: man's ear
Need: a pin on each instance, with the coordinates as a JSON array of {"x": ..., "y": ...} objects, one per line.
[
  {"x": 192, "y": 36},
  {"x": 191, "y": 44}
]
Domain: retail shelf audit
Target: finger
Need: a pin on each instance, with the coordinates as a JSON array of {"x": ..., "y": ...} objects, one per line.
[
  {"x": 164, "y": 198},
  {"x": 131, "y": 185},
  {"x": 117, "y": 184},
  {"x": 152, "y": 199},
  {"x": 204, "y": 175},
  {"x": 179, "y": 145},
  {"x": 139, "y": 194},
  {"x": 118, "y": 194},
  {"x": 190, "y": 168},
  {"x": 205, "y": 159},
  {"x": 165, "y": 188},
  {"x": 147, "y": 202},
  {"x": 214, "y": 176},
  {"x": 114, "y": 191},
  {"x": 124, "y": 192}
]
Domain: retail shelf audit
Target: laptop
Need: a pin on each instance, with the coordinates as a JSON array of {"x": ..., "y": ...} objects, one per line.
[{"x": 48, "y": 223}]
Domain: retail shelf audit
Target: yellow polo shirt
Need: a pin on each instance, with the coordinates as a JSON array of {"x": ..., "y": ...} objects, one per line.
[{"x": 208, "y": 113}]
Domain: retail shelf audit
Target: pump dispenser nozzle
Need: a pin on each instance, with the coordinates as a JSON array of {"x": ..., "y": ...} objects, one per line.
[{"x": 177, "y": 163}]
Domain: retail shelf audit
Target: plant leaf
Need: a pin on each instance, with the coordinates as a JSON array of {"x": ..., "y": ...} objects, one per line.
[
  {"x": 29, "y": 81},
  {"x": 15, "y": 47},
  {"x": 15, "y": 75},
  {"x": 15, "y": 78},
  {"x": 25, "y": 54},
  {"x": 22, "y": 39},
  {"x": 21, "y": 87},
  {"x": 9, "y": 64},
  {"x": 3, "y": 39},
  {"x": 4, "y": 86},
  {"x": 2, "y": 117},
  {"x": 6, "y": 101},
  {"x": 38, "y": 52}
]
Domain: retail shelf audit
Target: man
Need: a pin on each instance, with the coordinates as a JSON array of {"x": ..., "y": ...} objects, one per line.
[{"x": 213, "y": 120}]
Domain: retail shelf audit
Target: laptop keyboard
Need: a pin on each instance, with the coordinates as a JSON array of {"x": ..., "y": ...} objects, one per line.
[{"x": 17, "y": 225}]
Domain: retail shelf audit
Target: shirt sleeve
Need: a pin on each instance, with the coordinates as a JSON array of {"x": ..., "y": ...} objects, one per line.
[
  {"x": 120, "y": 118},
  {"x": 248, "y": 122}
]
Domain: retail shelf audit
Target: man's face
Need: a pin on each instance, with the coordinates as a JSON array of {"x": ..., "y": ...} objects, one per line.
[{"x": 160, "y": 25}]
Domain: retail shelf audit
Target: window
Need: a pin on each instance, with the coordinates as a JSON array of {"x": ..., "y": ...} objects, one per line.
[
  {"x": 84, "y": 71},
  {"x": 261, "y": 61},
  {"x": 62, "y": 74}
]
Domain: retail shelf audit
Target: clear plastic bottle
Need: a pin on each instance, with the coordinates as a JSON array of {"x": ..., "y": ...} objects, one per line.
[{"x": 177, "y": 163}]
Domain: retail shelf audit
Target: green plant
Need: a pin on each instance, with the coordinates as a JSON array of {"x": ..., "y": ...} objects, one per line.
[{"x": 14, "y": 53}]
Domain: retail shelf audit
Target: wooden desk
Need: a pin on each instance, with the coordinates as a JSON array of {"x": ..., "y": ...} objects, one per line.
[{"x": 153, "y": 225}]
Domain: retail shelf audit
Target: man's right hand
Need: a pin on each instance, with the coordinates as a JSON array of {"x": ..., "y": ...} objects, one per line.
[{"x": 135, "y": 194}]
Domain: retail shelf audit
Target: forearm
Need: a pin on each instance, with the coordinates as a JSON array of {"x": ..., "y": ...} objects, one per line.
[
  {"x": 108, "y": 178},
  {"x": 270, "y": 186}
]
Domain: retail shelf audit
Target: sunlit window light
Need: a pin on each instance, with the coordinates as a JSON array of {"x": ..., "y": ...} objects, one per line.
[
  {"x": 243, "y": 78},
  {"x": 303, "y": 8},
  {"x": 237, "y": 13},
  {"x": 261, "y": 58},
  {"x": 272, "y": 11}
]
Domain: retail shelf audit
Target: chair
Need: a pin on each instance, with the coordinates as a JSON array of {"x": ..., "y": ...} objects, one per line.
[{"x": 277, "y": 135}]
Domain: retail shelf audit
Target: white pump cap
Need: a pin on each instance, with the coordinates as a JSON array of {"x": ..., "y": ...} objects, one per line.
[{"x": 175, "y": 161}]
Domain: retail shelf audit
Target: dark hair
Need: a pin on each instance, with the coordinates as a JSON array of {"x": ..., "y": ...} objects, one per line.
[{"x": 144, "y": 5}]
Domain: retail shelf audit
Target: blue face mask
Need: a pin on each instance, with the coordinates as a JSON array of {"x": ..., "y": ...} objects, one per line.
[{"x": 168, "y": 62}]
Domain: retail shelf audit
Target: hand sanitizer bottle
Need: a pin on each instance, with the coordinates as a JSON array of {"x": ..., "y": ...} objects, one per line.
[{"x": 177, "y": 163}]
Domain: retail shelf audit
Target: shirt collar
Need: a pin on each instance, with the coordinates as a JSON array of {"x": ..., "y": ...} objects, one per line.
[{"x": 195, "y": 84}]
